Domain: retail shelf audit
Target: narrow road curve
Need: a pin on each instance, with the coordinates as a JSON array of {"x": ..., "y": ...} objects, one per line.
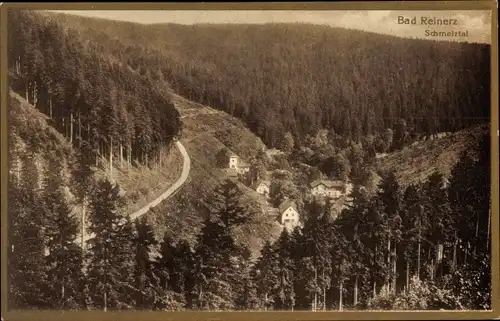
[{"x": 186, "y": 168}]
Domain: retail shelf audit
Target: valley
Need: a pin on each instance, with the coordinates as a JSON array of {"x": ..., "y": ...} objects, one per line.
[{"x": 249, "y": 167}]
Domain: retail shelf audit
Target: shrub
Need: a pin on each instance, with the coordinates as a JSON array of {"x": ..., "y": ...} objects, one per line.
[{"x": 419, "y": 296}]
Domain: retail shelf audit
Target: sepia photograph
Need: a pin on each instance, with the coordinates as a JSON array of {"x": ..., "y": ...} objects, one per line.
[{"x": 249, "y": 160}]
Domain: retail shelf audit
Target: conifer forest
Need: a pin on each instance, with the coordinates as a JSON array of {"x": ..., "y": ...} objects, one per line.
[{"x": 93, "y": 102}]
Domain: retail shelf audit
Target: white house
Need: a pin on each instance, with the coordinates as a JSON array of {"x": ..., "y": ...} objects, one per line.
[
  {"x": 333, "y": 189},
  {"x": 262, "y": 187},
  {"x": 289, "y": 215},
  {"x": 236, "y": 163},
  {"x": 233, "y": 161}
]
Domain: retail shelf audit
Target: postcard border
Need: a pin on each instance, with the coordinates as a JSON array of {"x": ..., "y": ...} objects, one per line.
[{"x": 241, "y": 316}]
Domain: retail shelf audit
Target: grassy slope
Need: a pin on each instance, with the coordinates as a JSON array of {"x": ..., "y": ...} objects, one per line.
[
  {"x": 143, "y": 184},
  {"x": 33, "y": 133},
  {"x": 415, "y": 163},
  {"x": 201, "y": 136}
]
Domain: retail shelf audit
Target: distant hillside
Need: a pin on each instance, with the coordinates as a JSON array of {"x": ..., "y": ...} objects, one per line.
[
  {"x": 299, "y": 78},
  {"x": 205, "y": 132},
  {"x": 415, "y": 163}
]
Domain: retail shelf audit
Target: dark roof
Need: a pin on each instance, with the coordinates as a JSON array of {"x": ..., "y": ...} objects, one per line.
[
  {"x": 327, "y": 183},
  {"x": 286, "y": 204}
]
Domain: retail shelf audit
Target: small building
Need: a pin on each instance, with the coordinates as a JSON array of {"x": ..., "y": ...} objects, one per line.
[
  {"x": 289, "y": 215},
  {"x": 262, "y": 187},
  {"x": 243, "y": 167},
  {"x": 333, "y": 189},
  {"x": 236, "y": 163},
  {"x": 233, "y": 161}
]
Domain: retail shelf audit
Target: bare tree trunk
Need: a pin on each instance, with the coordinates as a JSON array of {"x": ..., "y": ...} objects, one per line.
[
  {"x": 79, "y": 128},
  {"x": 407, "y": 273},
  {"x": 356, "y": 290},
  {"x": 71, "y": 126},
  {"x": 341, "y": 289},
  {"x": 465, "y": 256},
  {"x": 83, "y": 224},
  {"x": 315, "y": 290},
  {"x": 111, "y": 158},
  {"x": 389, "y": 262},
  {"x": 50, "y": 107},
  {"x": 418, "y": 252},
  {"x": 35, "y": 94},
  {"x": 432, "y": 269},
  {"x": 454, "y": 262},
  {"x": 129, "y": 154},
  {"x": 324, "y": 290},
  {"x": 394, "y": 278},
  {"x": 121, "y": 154}
]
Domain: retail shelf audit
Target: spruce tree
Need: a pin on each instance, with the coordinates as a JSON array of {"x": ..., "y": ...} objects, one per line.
[
  {"x": 28, "y": 283},
  {"x": 110, "y": 250},
  {"x": 144, "y": 241},
  {"x": 265, "y": 274},
  {"x": 65, "y": 257},
  {"x": 284, "y": 294}
]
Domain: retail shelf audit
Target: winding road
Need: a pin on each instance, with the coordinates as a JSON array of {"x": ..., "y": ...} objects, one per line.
[{"x": 186, "y": 168}]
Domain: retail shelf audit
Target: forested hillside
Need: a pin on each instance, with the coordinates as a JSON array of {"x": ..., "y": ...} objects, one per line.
[
  {"x": 331, "y": 100},
  {"x": 300, "y": 78},
  {"x": 90, "y": 96}
]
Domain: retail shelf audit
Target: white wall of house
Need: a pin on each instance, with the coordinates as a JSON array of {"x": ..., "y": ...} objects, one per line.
[
  {"x": 263, "y": 189},
  {"x": 322, "y": 190},
  {"x": 243, "y": 170},
  {"x": 290, "y": 215},
  {"x": 233, "y": 162}
]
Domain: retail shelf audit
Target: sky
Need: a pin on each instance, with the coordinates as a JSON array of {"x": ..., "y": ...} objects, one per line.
[{"x": 476, "y": 22}]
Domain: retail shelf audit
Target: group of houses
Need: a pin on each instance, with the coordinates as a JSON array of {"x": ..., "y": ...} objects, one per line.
[{"x": 288, "y": 211}]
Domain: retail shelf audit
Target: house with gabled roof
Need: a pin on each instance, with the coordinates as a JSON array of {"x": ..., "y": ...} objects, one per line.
[
  {"x": 330, "y": 188},
  {"x": 238, "y": 164},
  {"x": 262, "y": 187},
  {"x": 289, "y": 214}
]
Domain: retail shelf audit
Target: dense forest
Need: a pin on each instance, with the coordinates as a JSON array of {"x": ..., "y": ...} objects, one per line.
[
  {"x": 300, "y": 78},
  {"x": 89, "y": 96},
  {"x": 423, "y": 247}
]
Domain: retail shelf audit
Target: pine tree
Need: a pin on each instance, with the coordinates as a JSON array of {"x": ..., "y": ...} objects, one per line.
[
  {"x": 266, "y": 276},
  {"x": 214, "y": 254},
  {"x": 143, "y": 270},
  {"x": 172, "y": 269},
  {"x": 390, "y": 201},
  {"x": 65, "y": 258},
  {"x": 110, "y": 250},
  {"x": 317, "y": 249},
  {"x": 27, "y": 273},
  {"x": 284, "y": 294}
]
